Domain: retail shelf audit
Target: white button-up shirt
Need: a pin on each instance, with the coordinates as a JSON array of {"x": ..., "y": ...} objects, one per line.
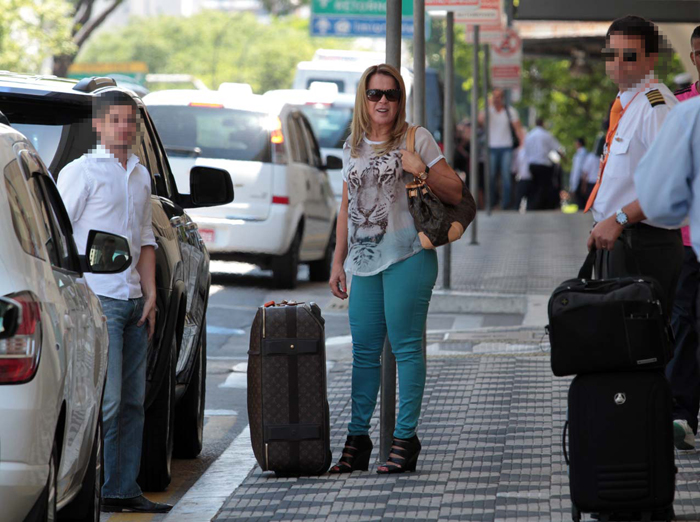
[
  {"x": 100, "y": 194},
  {"x": 538, "y": 144},
  {"x": 636, "y": 131}
]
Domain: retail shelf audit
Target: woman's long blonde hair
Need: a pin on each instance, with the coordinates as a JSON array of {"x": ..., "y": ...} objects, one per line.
[{"x": 361, "y": 122}]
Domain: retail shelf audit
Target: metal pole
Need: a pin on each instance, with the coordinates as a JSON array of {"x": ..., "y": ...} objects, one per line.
[
  {"x": 474, "y": 152},
  {"x": 387, "y": 404},
  {"x": 487, "y": 155},
  {"x": 419, "y": 62},
  {"x": 448, "y": 124}
]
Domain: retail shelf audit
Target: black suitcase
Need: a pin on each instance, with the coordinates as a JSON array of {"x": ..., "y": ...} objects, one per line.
[
  {"x": 287, "y": 400},
  {"x": 608, "y": 325},
  {"x": 621, "y": 454}
]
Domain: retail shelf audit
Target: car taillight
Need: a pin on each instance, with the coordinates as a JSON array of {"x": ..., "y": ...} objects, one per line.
[
  {"x": 279, "y": 155},
  {"x": 280, "y": 200},
  {"x": 19, "y": 354}
]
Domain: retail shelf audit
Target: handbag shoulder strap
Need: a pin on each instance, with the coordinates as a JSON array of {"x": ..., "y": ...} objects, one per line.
[{"x": 411, "y": 138}]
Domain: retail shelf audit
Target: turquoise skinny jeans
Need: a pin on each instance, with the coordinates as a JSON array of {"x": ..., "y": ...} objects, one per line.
[{"x": 393, "y": 302}]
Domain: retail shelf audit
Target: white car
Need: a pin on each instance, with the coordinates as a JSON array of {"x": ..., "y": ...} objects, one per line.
[
  {"x": 285, "y": 211},
  {"x": 53, "y": 346},
  {"x": 330, "y": 115}
]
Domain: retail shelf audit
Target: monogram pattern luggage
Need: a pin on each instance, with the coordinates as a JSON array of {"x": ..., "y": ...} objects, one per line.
[
  {"x": 621, "y": 455},
  {"x": 287, "y": 400}
]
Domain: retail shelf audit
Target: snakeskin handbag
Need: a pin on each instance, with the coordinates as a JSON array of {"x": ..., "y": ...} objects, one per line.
[{"x": 437, "y": 223}]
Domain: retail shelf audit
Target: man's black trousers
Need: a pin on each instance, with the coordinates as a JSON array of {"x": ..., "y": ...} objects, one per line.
[{"x": 683, "y": 372}]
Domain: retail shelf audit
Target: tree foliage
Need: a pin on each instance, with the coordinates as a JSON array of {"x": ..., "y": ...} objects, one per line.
[
  {"x": 214, "y": 46},
  {"x": 31, "y": 31}
]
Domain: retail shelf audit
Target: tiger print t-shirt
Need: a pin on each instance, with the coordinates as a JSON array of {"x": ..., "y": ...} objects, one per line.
[{"x": 380, "y": 227}]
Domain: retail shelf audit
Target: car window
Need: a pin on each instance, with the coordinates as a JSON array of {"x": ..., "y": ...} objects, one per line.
[
  {"x": 311, "y": 143},
  {"x": 339, "y": 83},
  {"x": 213, "y": 132},
  {"x": 63, "y": 230},
  {"x": 166, "y": 182},
  {"x": 300, "y": 152},
  {"x": 24, "y": 221},
  {"x": 331, "y": 125},
  {"x": 145, "y": 160}
]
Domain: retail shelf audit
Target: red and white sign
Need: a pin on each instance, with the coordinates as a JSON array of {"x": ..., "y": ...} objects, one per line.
[
  {"x": 507, "y": 61},
  {"x": 457, "y": 6},
  {"x": 489, "y": 12},
  {"x": 207, "y": 235}
]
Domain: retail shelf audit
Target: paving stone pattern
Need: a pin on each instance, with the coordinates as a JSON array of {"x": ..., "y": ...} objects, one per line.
[
  {"x": 491, "y": 434},
  {"x": 519, "y": 253}
]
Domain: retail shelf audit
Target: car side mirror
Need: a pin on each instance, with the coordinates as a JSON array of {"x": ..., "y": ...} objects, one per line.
[
  {"x": 106, "y": 253},
  {"x": 209, "y": 187},
  {"x": 333, "y": 163},
  {"x": 10, "y": 317}
]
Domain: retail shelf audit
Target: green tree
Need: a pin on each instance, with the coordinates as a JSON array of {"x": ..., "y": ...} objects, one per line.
[
  {"x": 31, "y": 31},
  {"x": 216, "y": 47}
]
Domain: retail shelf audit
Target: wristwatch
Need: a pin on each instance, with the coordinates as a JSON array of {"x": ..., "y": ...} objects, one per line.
[
  {"x": 424, "y": 175},
  {"x": 621, "y": 217}
]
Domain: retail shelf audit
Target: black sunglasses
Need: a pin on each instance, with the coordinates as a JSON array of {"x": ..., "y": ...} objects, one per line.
[
  {"x": 392, "y": 95},
  {"x": 627, "y": 56}
]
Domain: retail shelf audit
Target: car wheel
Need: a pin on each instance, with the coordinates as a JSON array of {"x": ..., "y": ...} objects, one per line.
[
  {"x": 321, "y": 270},
  {"x": 286, "y": 267},
  {"x": 86, "y": 506},
  {"x": 48, "y": 508},
  {"x": 189, "y": 414},
  {"x": 158, "y": 434}
]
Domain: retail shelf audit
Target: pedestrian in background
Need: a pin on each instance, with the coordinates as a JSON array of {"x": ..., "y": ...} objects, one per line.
[
  {"x": 683, "y": 372},
  {"x": 108, "y": 189},
  {"x": 505, "y": 135},
  {"x": 577, "y": 171},
  {"x": 539, "y": 143},
  {"x": 523, "y": 180},
  {"x": 628, "y": 243},
  {"x": 393, "y": 276}
]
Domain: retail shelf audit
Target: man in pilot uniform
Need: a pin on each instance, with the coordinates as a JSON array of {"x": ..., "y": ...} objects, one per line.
[{"x": 627, "y": 243}]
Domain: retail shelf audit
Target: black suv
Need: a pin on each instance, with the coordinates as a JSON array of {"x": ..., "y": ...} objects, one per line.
[{"x": 55, "y": 115}]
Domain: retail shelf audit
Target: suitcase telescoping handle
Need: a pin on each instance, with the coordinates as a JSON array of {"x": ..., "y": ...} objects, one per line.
[
  {"x": 563, "y": 442},
  {"x": 586, "y": 271}
]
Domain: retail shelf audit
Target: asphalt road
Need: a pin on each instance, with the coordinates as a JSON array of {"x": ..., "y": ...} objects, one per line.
[{"x": 237, "y": 290}]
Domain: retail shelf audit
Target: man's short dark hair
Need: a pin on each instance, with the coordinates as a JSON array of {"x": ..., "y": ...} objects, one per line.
[
  {"x": 581, "y": 141},
  {"x": 637, "y": 26},
  {"x": 104, "y": 100},
  {"x": 695, "y": 35},
  {"x": 539, "y": 122}
]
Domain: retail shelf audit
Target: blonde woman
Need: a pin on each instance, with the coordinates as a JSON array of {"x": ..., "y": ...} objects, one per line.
[{"x": 393, "y": 277}]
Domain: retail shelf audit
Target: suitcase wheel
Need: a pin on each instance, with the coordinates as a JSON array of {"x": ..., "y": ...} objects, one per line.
[{"x": 575, "y": 514}]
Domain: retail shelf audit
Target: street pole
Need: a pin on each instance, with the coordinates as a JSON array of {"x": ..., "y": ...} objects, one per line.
[
  {"x": 487, "y": 155},
  {"x": 419, "y": 62},
  {"x": 387, "y": 403},
  {"x": 474, "y": 149},
  {"x": 448, "y": 125}
]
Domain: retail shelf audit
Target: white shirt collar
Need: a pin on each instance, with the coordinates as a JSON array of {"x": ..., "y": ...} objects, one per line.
[
  {"x": 101, "y": 153},
  {"x": 649, "y": 82}
]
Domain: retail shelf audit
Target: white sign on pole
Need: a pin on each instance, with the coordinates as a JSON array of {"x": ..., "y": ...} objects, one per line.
[
  {"x": 457, "y": 6},
  {"x": 489, "y": 12},
  {"x": 492, "y": 33},
  {"x": 507, "y": 61}
]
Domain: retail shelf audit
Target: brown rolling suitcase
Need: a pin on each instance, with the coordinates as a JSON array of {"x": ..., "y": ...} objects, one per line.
[{"x": 287, "y": 400}]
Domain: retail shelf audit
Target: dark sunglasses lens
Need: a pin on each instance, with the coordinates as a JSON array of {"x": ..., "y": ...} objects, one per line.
[
  {"x": 629, "y": 56},
  {"x": 393, "y": 95},
  {"x": 374, "y": 95}
]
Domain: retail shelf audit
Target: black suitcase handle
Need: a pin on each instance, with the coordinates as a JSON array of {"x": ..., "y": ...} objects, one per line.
[
  {"x": 586, "y": 271},
  {"x": 563, "y": 442}
]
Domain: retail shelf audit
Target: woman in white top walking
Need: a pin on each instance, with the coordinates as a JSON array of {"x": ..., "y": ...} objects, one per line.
[{"x": 393, "y": 276}]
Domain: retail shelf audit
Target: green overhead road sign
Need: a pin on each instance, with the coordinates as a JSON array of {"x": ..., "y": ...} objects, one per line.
[{"x": 357, "y": 8}]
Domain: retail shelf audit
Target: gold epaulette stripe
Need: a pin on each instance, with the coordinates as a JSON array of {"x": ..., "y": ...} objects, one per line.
[{"x": 655, "y": 98}]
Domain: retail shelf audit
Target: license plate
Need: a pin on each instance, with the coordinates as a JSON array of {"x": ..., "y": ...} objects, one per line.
[{"x": 207, "y": 234}]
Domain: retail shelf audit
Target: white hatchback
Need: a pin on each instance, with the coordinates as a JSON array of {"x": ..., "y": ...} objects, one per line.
[
  {"x": 53, "y": 346},
  {"x": 285, "y": 211}
]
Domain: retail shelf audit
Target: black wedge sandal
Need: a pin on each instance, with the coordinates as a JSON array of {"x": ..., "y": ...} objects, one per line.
[
  {"x": 403, "y": 456},
  {"x": 356, "y": 453}
]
